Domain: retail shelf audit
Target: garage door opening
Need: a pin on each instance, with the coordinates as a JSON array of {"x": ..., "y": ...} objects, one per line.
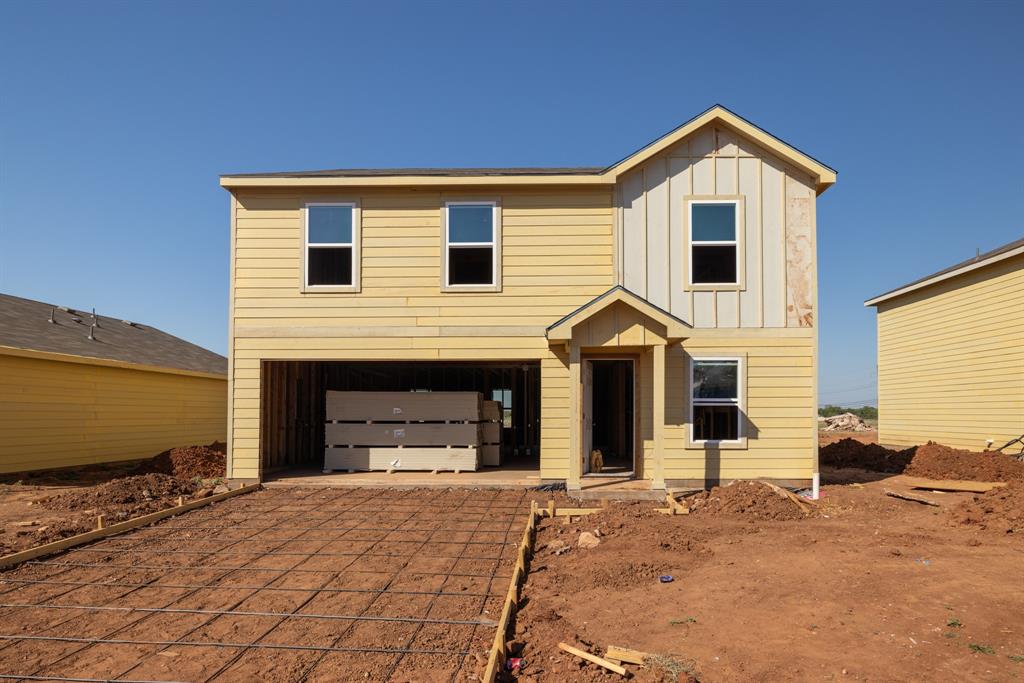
[{"x": 293, "y": 406}]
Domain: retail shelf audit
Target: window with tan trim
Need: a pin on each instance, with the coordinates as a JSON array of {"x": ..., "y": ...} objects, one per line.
[
  {"x": 331, "y": 247},
  {"x": 717, "y": 400},
  {"x": 472, "y": 246}
]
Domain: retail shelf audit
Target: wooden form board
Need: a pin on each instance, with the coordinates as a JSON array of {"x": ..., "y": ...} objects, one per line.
[
  {"x": 413, "y": 434},
  {"x": 403, "y": 406},
  {"x": 401, "y": 459}
]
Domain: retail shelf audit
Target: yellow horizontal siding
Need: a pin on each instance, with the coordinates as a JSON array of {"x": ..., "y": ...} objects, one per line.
[
  {"x": 60, "y": 414},
  {"x": 557, "y": 254},
  {"x": 951, "y": 360},
  {"x": 780, "y": 410}
]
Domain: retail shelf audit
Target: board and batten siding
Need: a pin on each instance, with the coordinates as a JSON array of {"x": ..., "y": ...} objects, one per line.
[
  {"x": 951, "y": 360},
  {"x": 56, "y": 413},
  {"x": 557, "y": 254},
  {"x": 778, "y": 232}
]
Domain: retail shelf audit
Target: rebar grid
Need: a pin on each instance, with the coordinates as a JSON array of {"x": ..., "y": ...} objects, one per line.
[
  {"x": 88, "y": 644},
  {"x": 333, "y": 507},
  {"x": 118, "y": 597}
]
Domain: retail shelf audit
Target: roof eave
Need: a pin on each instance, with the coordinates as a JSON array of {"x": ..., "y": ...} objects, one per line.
[{"x": 907, "y": 289}]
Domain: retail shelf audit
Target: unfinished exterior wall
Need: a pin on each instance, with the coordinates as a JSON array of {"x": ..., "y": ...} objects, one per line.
[
  {"x": 951, "y": 360},
  {"x": 63, "y": 414},
  {"x": 557, "y": 255},
  {"x": 777, "y": 234}
]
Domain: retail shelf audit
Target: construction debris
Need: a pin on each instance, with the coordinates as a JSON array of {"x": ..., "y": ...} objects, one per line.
[
  {"x": 954, "y": 485},
  {"x": 914, "y": 499},
  {"x": 600, "y": 661},
  {"x": 844, "y": 422}
]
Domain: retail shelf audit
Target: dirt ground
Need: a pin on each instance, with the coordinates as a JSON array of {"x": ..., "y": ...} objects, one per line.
[
  {"x": 866, "y": 588},
  {"x": 284, "y": 584},
  {"x": 42, "y": 506},
  {"x": 825, "y": 438}
]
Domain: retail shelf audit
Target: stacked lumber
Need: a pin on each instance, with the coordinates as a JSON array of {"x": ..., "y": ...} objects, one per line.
[
  {"x": 395, "y": 430},
  {"x": 490, "y": 434}
]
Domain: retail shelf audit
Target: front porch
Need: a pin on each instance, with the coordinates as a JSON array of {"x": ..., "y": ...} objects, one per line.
[{"x": 618, "y": 324}]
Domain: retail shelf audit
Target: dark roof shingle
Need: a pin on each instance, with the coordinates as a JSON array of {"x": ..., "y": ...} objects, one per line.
[{"x": 25, "y": 324}]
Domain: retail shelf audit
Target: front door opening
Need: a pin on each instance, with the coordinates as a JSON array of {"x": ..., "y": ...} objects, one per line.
[{"x": 612, "y": 417}]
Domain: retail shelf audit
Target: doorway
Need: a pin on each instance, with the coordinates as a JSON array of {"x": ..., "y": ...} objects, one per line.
[{"x": 609, "y": 417}]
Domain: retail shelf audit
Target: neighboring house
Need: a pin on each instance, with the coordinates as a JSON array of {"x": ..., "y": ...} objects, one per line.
[
  {"x": 951, "y": 354},
  {"x": 77, "y": 389},
  {"x": 662, "y": 309}
]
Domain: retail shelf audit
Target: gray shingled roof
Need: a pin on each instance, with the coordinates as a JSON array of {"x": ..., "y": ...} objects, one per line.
[
  {"x": 25, "y": 324},
  {"x": 453, "y": 172}
]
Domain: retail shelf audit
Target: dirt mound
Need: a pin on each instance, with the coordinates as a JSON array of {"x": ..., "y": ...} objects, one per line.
[
  {"x": 750, "y": 498},
  {"x": 867, "y": 456},
  {"x": 188, "y": 462},
  {"x": 127, "y": 497},
  {"x": 1001, "y": 509},
  {"x": 936, "y": 461}
]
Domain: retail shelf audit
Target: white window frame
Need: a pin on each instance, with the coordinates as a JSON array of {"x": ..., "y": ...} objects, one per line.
[
  {"x": 354, "y": 245},
  {"x": 495, "y": 244},
  {"x": 740, "y": 403},
  {"x": 737, "y": 242}
]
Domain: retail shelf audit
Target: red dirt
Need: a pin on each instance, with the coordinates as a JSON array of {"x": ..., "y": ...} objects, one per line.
[
  {"x": 189, "y": 462},
  {"x": 849, "y": 452},
  {"x": 870, "y": 588},
  {"x": 936, "y": 461},
  {"x": 750, "y": 498},
  {"x": 1001, "y": 509},
  {"x": 825, "y": 438},
  {"x": 932, "y": 461}
]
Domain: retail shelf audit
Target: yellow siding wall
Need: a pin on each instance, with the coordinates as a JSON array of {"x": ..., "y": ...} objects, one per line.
[
  {"x": 951, "y": 360},
  {"x": 780, "y": 409},
  {"x": 557, "y": 255},
  {"x": 62, "y": 414}
]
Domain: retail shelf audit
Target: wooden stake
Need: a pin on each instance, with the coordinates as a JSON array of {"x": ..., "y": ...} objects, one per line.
[
  {"x": 181, "y": 500},
  {"x": 600, "y": 661},
  {"x": 100, "y": 522}
]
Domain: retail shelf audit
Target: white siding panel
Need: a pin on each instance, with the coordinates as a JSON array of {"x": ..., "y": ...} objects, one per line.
[
  {"x": 774, "y": 274},
  {"x": 656, "y": 180},
  {"x": 633, "y": 233},
  {"x": 750, "y": 298},
  {"x": 679, "y": 174}
]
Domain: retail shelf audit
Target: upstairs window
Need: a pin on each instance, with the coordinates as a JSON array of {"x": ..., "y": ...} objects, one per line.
[
  {"x": 471, "y": 245},
  {"x": 331, "y": 234},
  {"x": 715, "y": 401},
  {"x": 714, "y": 243}
]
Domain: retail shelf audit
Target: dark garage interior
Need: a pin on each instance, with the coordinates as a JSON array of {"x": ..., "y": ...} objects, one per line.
[{"x": 292, "y": 402}]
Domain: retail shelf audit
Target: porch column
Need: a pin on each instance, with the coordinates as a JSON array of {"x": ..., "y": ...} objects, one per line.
[
  {"x": 659, "y": 417},
  {"x": 575, "y": 413}
]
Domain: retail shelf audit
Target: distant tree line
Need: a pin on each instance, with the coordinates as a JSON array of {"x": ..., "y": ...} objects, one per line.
[{"x": 864, "y": 412}]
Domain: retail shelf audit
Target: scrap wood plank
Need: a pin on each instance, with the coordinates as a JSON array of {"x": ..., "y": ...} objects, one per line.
[
  {"x": 600, "y": 661},
  {"x": 624, "y": 654},
  {"x": 952, "y": 484},
  {"x": 914, "y": 499}
]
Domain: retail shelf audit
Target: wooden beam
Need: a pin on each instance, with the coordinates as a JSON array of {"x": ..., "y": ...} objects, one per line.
[
  {"x": 624, "y": 654},
  {"x": 600, "y": 661}
]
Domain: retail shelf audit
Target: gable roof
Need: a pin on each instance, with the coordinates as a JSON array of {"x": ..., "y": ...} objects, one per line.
[
  {"x": 25, "y": 325},
  {"x": 824, "y": 175},
  {"x": 998, "y": 254},
  {"x": 562, "y": 329}
]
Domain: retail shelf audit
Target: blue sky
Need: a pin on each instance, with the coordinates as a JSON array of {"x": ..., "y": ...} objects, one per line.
[{"x": 117, "y": 118}]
